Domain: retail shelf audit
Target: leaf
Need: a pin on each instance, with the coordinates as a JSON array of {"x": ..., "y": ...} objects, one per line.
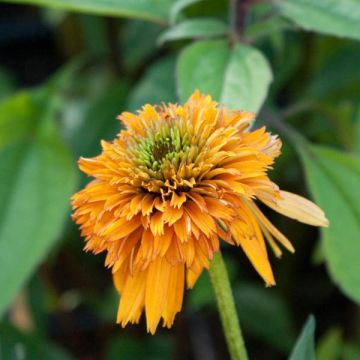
[
  {"x": 159, "y": 76},
  {"x": 239, "y": 79},
  {"x": 153, "y": 10},
  {"x": 202, "y": 66},
  {"x": 37, "y": 176},
  {"x": 330, "y": 345},
  {"x": 138, "y": 42},
  {"x": 202, "y": 294},
  {"x": 247, "y": 79},
  {"x": 178, "y": 6},
  {"x": 194, "y": 28},
  {"x": 334, "y": 179},
  {"x": 357, "y": 130},
  {"x": 17, "y": 345},
  {"x": 263, "y": 313},
  {"x": 304, "y": 348},
  {"x": 100, "y": 121},
  {"x": 154, "y": 348},
  {"x": 350, "y": 351},
  {"x": 266, "y": 27},
  {"x": 339, "y": 18},
  {"x": 7, "y": 83},
  {"x": 338, "y": 77}
]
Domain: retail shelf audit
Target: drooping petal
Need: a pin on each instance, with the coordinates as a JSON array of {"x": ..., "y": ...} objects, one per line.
[
  {"x": 132, "y": 298},
  {"x": 157, "y": 283},
  {"x": 175, "y": 294},
  {"x": 254, "y": 251},
  {"x": 298, "y": 208}
]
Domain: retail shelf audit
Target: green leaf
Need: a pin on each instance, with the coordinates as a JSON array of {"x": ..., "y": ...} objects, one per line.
[
  {"x": 330, "y": 345},
  {"x": 263, "y": 313},
  {"x": 357, "y": 130},
  {"x": 338, "y": 77},
  {"x": 202, "y": 66},
  {"x": 159, "y": 76},
  {"x": 350, "y": 351},
  {"x": 152, "y": 348},
  {"x": 333, "y": 178},
  {"x": 247, "y": 79},
  {"x": 138, "y": 42},
  {"x": 202, "y": 294},
  {"x": 239, "y": 78},
  {"x": 153, "y": 10},
  {"x": 339, "y": 18},
  {"x": 304, "y": 348},
  {"x": 100, "y": 121},
  {"x": 178, "y": 6},
  {"x": 267, "y": 27},
  {"x": 17, "y": 345},
  {"x": 7, "y": 83},
  {"x": 194, "y": 28},
  {"x": 37, "y": 177}
]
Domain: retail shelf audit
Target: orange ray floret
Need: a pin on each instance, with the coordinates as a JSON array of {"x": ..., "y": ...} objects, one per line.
[{"x": 168, "y": 188}]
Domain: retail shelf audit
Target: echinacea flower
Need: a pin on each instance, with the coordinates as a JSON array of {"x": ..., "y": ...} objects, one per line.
[{"x": 177, "y": 180}]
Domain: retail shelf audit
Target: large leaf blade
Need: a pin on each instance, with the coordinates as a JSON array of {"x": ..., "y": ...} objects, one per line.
[
  {"x": 37, "y": 177},
  {"x": 247, "y": 78},
  {"x": 194, "y": 28},
  {"x": 339, "y": 18},
  {"x": 238, "y": 78},
  {"x": 334, "y": 179},
  {"x": 154, "y": 10}
]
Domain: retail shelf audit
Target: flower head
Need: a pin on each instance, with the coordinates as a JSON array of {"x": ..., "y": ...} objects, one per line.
[{"x": 177, "y": 180}]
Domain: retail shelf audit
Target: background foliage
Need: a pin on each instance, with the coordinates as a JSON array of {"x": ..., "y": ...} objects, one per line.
[{"x": 67, "y": 68}]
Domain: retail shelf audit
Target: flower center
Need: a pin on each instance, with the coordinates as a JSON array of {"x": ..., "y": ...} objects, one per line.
[
  {"x": 163, "y": 149},
  {"x": 163, "y": 146}
]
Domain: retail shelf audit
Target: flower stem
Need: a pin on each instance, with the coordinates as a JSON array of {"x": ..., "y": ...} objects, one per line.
[{"x": 225, "y": 301}]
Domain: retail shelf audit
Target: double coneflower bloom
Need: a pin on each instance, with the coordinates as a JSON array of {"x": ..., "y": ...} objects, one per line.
[{"x": 168, "y": 189}]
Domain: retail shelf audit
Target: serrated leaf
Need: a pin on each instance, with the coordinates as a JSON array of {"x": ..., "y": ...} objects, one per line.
[
  {"x": 304, "y": 348},
  {"x": 333, "y": 17},
  {"x": 194, "y": 28},
  {"x": 153, "y": 10},
  {"x": 37, "y": 176},
  {"x": 334, "y": 179},
  {"x": 239, "y": 78}
]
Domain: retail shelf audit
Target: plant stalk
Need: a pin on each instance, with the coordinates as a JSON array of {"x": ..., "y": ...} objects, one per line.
[{"x": 225, "y": 302}]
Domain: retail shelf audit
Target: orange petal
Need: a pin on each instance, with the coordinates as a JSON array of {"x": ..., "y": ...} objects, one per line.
[
  {"x": 157, "y": 223},
  {"x": 172, "y": 214},
  {"x": 298, "y": 208},
  {"x": 177, "y": 200},
  {"x": 202, "y": 220},
  {"x": 255, "y": 252},
  {"x": 132, "y": 299},
  {"x": 157, "y": 282},
  {"x": 175, "y": 295}
]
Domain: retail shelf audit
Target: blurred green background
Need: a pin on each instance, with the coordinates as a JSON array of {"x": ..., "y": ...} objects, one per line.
[{"x": 68, "y": 68}]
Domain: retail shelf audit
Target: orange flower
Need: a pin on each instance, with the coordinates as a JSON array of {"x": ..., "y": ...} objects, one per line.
[{"x": 167, "y": 188}]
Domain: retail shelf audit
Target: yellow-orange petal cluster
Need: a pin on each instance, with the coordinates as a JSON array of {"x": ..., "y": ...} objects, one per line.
[{"x": 177, "y": 180}]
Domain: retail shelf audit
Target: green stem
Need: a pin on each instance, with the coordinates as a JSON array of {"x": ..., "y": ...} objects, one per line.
[{"x": 225, "y": 301}]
